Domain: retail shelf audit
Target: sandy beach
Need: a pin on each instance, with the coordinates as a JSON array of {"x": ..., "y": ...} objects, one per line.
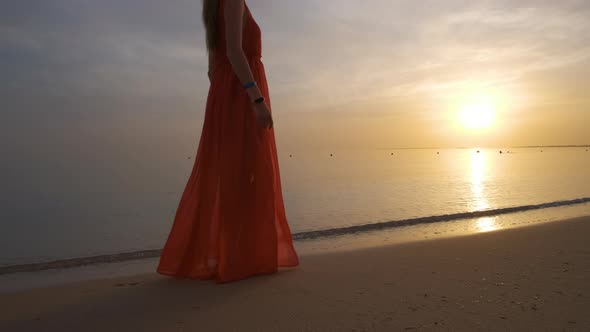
[{"x": 531, "y": 278}]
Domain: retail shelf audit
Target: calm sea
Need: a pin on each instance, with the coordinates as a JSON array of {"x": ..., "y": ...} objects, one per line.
[{"x": 104, "y": 202}]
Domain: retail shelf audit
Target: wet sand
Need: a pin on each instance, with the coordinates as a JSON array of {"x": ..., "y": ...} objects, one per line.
[{"x": 533, "y": 278}]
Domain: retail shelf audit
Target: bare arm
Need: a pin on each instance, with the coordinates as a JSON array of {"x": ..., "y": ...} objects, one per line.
[{"x": 234, "y": 14}]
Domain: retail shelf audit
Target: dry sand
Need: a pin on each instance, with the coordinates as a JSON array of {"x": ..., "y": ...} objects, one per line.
[{"x": 533, "y": 278}]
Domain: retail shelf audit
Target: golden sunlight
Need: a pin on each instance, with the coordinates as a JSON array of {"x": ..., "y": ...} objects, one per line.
[
  {"x": 477, "y": 113},
  {"x": 478, "y": 177}
]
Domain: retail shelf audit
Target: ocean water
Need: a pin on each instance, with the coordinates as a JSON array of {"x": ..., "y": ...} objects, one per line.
[{"x": 114, "y": 201}]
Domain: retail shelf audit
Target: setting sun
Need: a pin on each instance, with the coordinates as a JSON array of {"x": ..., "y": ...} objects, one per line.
[{"x": 477, "y": 114}]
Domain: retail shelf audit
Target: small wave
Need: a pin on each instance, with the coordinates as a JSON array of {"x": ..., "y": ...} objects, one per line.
[
  {"x": 305, "y": 235},
  {"x": 431, "y": 219}
]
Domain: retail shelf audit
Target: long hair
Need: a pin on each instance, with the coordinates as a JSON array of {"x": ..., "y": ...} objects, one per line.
[{"x": 210, "y": 22}]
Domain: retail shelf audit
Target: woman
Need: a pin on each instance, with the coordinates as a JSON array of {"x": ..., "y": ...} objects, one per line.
[{"x": 230, "y": 223}]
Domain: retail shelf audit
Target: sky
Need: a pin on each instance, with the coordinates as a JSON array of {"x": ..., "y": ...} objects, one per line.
[{"x": 342, "y": 74}]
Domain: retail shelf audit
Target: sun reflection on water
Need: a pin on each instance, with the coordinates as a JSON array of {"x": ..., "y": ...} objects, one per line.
[
  {"x": 486, "y": 224},
  {"x": 479, "y": 201}
]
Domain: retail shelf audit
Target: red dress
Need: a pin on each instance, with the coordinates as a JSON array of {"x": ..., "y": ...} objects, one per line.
[{"x": 230, "y": 223}]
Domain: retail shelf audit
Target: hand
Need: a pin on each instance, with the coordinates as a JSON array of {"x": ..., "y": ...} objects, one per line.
[{"x": 263, "y": 115}]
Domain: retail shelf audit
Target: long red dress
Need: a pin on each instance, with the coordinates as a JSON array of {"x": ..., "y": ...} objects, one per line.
[{"x": 230, "y": 223}]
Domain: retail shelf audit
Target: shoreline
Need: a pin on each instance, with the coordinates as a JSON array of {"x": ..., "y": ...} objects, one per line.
[
  {"x": 298, "y": 236},
  {"x": 534, "y": 277}
]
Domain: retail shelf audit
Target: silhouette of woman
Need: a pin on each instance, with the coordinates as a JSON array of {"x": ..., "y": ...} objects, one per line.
[{"x": 230, "y": 223}]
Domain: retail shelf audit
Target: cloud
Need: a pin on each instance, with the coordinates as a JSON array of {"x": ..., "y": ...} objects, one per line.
[
  {"x": 378, "y": 57},
  {"x": 395, "y": 48},
  {"x": 106, "y": 48}
]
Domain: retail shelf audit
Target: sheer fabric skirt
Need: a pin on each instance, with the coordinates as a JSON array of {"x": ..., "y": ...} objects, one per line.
[{"x": 230, "y": 223}]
